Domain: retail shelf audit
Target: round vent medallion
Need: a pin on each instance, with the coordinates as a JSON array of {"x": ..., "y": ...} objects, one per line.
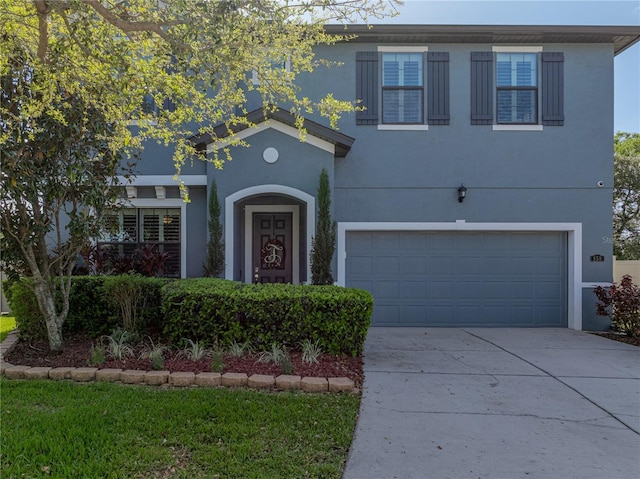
[{"x": 270, "y": 155}]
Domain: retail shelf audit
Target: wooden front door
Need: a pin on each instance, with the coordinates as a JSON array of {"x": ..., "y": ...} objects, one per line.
[{"x": 272, "y": 248}]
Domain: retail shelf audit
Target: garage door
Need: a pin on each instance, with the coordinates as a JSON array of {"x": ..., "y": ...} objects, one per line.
[{"x": 461, "y": 278}]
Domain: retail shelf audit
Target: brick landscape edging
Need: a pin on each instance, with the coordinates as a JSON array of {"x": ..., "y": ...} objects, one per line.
[{"x": 170, "y": 379}]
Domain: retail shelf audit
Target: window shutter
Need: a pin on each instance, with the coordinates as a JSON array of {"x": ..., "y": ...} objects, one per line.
[
  {"x": 367, "y": 87},
  {"x": 438, "y": 88},
  {"x": 481, "y": 88},
  {"x": 168, "y": 105},
  {"x": 553, "y": 89}
]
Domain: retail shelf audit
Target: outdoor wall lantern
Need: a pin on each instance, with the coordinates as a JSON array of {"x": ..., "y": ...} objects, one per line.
[{"x": 462, "y": 192}]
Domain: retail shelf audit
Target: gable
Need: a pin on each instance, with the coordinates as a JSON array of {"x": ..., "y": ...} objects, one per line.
[{"x": 280, "y": 120}]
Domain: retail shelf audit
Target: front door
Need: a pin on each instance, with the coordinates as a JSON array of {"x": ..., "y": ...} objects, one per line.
[{"x": 272, "y": 258}]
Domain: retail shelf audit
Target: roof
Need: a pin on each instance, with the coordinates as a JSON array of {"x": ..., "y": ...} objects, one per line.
[
  {"x": 622, "y": 37},
  {"x": 341, "y": 142}
]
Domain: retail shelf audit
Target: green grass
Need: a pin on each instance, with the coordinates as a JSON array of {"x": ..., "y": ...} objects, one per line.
[
  {"x": 64, "y": 429},
  {"x": 7, "y": 324}
]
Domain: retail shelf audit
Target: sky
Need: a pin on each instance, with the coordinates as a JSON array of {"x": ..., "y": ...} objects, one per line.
[{"x": 547, "y": 12}]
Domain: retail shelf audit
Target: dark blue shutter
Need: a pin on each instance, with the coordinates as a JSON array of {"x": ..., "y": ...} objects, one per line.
[
  {"x": 168, "y": 105},
  {"x": 438, "y": 88},
  {"x": 552, "y": 89},
  {"x": 367, "y": 87},
  {"x": 481, "y": 88}
]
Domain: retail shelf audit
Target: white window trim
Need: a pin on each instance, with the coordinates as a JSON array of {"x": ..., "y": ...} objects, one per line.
[
  {"x": 574, "y": 250},
  {"x": 142, "y": 123},
  {"x": 169, "y": 203},
  {"x": 401, "y": 127},
  {"x": 517, "y": 127},
  {"x": 518, "y": 49},
  {"x": 254, "y": 73},
  {"x": 403, "y": 49}
]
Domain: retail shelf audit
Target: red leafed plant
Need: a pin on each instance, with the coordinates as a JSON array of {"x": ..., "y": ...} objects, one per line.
[{"x": 622, "y": 304}]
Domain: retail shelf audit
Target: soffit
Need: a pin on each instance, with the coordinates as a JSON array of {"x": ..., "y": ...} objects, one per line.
[{"x": 622, "y": 37}]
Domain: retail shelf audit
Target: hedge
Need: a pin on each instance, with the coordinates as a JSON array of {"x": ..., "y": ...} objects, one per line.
[
  {"x": 90, "y": 308},
  {"x": 210, "y": 310},
  {"x": 213, "y": 310}
]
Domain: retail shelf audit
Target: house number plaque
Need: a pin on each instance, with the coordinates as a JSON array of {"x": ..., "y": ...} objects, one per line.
[{"x": 597, "y": 258}]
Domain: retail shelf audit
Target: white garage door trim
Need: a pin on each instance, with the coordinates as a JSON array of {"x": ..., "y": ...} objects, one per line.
[{"x": 574, "y": 249}]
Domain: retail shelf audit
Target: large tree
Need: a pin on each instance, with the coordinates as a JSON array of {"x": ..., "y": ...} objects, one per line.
[
  {"x": 196, "y": 56},
  {"x": 90, "y": 66},
  {"x": 57, "y": 179},
  {"x": 626, "y": 196}
]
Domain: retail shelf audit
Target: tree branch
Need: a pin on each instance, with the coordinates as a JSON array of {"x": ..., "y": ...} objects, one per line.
[
  {"x": 131, "y": 27},
  {"x": 65, "y": 19},
  {"x": 43, "y": 28}
]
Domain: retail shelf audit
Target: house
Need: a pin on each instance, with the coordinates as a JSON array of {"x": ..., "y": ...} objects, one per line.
[{"x": 475, "y": 189}]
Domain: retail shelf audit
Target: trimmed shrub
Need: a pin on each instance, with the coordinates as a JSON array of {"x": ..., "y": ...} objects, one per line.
[
  {"x": 90, "y": 309},
  {"x": 129, "y": 293},
  {"x": 24, "y": 306},
  {"x": 203, "y": 309},
  {"x": 212, "y": 309}
]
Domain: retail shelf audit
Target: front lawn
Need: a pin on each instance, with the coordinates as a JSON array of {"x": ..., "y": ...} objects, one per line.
[
  {"x": 7, "y": 324},
  {"x": 65, "y": 429}
]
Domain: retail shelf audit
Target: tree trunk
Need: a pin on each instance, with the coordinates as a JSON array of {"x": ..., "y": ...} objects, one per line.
[{"x": 46, "y": 301}]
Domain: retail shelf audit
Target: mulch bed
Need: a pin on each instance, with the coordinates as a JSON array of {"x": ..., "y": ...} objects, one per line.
[
  {"x": 621, "y": 337},
  {"x": 77, "y": 353}
]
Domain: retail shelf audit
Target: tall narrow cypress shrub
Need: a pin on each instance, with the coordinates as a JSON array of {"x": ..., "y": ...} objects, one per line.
[
  {"x": 324, "y": 243},
  {"x": 214, "y": 265}
]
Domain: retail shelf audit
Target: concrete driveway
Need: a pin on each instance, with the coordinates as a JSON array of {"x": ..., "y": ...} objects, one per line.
[{"x": 497, "y": 403}]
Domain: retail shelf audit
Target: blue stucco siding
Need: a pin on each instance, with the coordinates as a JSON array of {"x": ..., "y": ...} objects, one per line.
[
  {"x": 197, "y": 231},
  {"x": 298, "y": 166},
  {"x": 513, "y": 176},
  {"x": 295, "y": 173},
  {"x": 548, "y": 174},
  {"x": 157, "y": 159}
]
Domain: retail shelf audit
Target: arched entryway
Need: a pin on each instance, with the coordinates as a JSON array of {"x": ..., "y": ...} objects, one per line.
[{"x": 268, "y": 232}]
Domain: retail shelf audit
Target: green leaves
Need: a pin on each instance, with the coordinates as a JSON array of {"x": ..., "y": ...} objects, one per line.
[
  {"x": 335, "y": 318},
  {"x": 621, "y": 302},
  {"x": 626, "y": 196},
  {"x": 324, "y": 243},
  {"x": 112, "y": 55}
]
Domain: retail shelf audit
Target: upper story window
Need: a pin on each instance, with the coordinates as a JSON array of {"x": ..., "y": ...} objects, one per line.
[
  {"x": 409, "y": 82},
  {"x": 402, "y": 88},
  {"x": 517, "y": 88},
  {"x": 527, "y": 84},
  {"x": 150, "y": 110},
  {"x": 282, "y": 64},
  {"x": 150, "y": 107}
]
